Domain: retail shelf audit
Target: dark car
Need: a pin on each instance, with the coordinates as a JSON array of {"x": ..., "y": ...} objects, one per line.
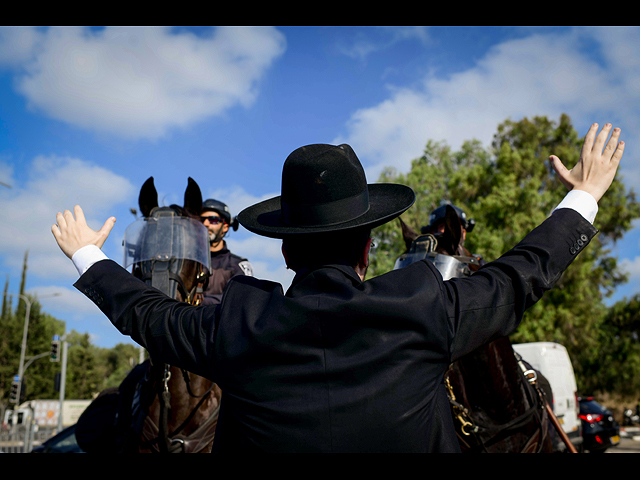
[
  {"x": 599, "y": 429},
  {"x": 64, "y": 442}
]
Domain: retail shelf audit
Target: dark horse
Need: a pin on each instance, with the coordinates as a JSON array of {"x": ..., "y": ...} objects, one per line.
[
  {"x": 495, "y": 406},
  {"x": 159, "y": 407}
]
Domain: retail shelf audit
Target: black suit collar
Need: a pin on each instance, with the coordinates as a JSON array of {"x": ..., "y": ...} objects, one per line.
[{"x": 348, "y": 272}]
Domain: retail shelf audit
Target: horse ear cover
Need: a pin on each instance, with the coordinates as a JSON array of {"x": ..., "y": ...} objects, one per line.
[
  {"x": 193, "y": 197},
  {"x": 148, "y": 198}
]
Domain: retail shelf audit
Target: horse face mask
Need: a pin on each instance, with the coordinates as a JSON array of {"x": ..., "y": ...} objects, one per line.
[
  {"x": 169, "y": 247},
  {"x": 161, "y": 244}
]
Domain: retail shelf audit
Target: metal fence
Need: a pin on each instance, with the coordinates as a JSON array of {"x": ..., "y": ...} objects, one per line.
[{"x": 23, "y": 438}]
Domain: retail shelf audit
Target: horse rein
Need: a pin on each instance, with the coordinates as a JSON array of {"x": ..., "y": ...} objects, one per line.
[
  {"x": 166, "y": 442},
  {"x": 177, "y": 445},
  {"x": 170, "y": 444},
  {"x": 193, "y": 296},
  {"x": 532, "y": 378},
  {"x": 470, "y": 427}
]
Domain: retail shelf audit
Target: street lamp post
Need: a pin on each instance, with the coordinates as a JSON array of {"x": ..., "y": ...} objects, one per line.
[
  {"x": 24, "y": 344},
  {"x": 24, "y": 339},
  {"x": 63, "y": 379}
]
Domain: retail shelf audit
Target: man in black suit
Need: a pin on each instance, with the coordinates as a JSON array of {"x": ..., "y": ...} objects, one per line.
[{"x": 339, "y": 364}]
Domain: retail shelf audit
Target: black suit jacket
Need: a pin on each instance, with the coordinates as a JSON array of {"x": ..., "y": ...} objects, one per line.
[{"x": 336, "y": 364}]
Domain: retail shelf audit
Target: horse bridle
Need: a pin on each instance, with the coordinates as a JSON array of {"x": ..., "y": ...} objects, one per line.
[
  {"x": 471, "y": 427},
  {"x": 166, "y": 441},
  {"x": 159, "y": 274},
  {"x": 162, "y": 271}
]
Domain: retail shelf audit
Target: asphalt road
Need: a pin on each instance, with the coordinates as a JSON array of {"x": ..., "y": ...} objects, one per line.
[{"x": 629, "y": 441}]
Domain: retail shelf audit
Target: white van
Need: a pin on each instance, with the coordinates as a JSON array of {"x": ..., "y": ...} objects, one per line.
[{"x": 552, "y": 360}]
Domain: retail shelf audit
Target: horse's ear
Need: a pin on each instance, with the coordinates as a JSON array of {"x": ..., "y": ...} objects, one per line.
[
  {"x": 408, "y": 234},
  {"x": 148, "y": 198},
  {"x": 193, "y": 198},
  {"x": 453, "y": 225}
]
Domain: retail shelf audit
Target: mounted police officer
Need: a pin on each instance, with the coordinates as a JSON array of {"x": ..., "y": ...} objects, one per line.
[
  {"x": 216, "y": 216},
  {"x": 437, "y": 218},
  {"x": 337, "y": 363},
  {"x": 436, "y": 225}
]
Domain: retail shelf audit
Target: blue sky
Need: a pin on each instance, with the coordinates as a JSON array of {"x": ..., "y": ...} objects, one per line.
[{"x": 87, "y": 115}]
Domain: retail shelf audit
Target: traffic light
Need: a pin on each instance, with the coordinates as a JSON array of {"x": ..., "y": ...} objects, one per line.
[
  {"x": 13, "y": 398},
  {"x": 55, "y": 351},
  {"x": 56, "y": 381}
]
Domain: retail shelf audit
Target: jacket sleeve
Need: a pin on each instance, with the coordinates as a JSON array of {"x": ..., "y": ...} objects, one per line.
[
  {"x": 492, "y": 302},
  {"x": 175, "y": 332}
]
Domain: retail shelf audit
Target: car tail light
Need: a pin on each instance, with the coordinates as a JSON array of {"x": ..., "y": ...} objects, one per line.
[{"x": 591, "y": 417}]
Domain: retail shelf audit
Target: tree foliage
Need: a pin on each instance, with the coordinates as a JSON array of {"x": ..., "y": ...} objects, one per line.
[
  {"x": 509, "y": 188},
  {"x": 616, "y": 364},
  {"x": 90, "y": 369}
]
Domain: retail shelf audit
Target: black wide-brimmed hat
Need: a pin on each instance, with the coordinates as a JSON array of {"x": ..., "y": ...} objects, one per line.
[{"x": 324, "y": 189}]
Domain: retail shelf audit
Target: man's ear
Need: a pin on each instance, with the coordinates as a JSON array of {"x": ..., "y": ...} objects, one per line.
[
  {"x": 363, "y": 263},
  {"x": 364, "y": 259},
  {"x": 286, "y": 259}
]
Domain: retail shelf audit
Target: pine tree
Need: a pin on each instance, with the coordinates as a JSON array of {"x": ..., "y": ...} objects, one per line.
[
  {"x": 5, "y": 304},
  {"x": 22, "y": 306}
]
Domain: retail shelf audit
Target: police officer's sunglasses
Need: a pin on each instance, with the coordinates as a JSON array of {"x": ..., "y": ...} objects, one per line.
[{"x": 212, "y": 220}]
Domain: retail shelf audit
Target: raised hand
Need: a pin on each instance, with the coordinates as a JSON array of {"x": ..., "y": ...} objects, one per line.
[
  {"x": 598, "y": 163},
  {"x": 74, "y": 233}
]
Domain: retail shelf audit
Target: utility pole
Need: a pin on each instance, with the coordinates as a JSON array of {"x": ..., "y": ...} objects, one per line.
[
  {"x": 24, "y": 341},
  {"x": 63, "y": 378},
  {"x": 24, "y": 344}
]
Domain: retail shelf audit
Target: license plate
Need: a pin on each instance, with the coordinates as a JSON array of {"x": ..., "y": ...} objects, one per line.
[{"x": 615, "y": 439}]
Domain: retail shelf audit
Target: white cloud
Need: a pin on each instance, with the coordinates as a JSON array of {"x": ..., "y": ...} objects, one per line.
[
  {"x": 592, "y": 74},
  {"x": 57, "y": 298},
  {"x": 236, "y": 197},
  {"x": 138, "y": 82},
  {"x": 544, "y": 74},
  {"x": 264, "y": 253},
  {"x": 6, "y": 173},
  {"x": 54, "y": 184},
  {"x": 364, "y": 45},
  {"x": 18, "y": 45},
  {"x": 632, "y": 267}
]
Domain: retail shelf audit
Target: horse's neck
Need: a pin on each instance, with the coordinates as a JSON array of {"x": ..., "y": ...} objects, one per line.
[
  {"x": 458, "y": 250},
  {"x": 493, "y": 371}
]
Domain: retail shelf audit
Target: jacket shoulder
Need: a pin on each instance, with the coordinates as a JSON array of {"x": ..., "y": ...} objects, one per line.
[{"x": 241, "y": 263}]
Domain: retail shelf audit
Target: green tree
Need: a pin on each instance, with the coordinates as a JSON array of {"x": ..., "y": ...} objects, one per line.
[
  {"x": 84, "y": 377},
  {"x": 5, "y": 300},
  {"x": 118, "y": 362},
  {"x": 509, "y": 188},
  {"x": 616, "y": 366},
  {"x": 41, "y": 373},
  {"x": 39, "y": 376},
  {"x": 22, "y": 306},
  {"x": 9, "y": 345},
  {"x": 89, "y": 369}
]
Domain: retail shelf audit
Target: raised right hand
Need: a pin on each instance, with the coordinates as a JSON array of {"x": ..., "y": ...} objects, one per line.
[
  {"x": 598, "y": 163},
  {"x": 73, "y": 233}
]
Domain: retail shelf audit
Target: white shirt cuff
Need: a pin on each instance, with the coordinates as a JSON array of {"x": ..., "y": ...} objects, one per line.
[
  {"x": 582, "y": 202},
  {"x": 87, "y": 256}
]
